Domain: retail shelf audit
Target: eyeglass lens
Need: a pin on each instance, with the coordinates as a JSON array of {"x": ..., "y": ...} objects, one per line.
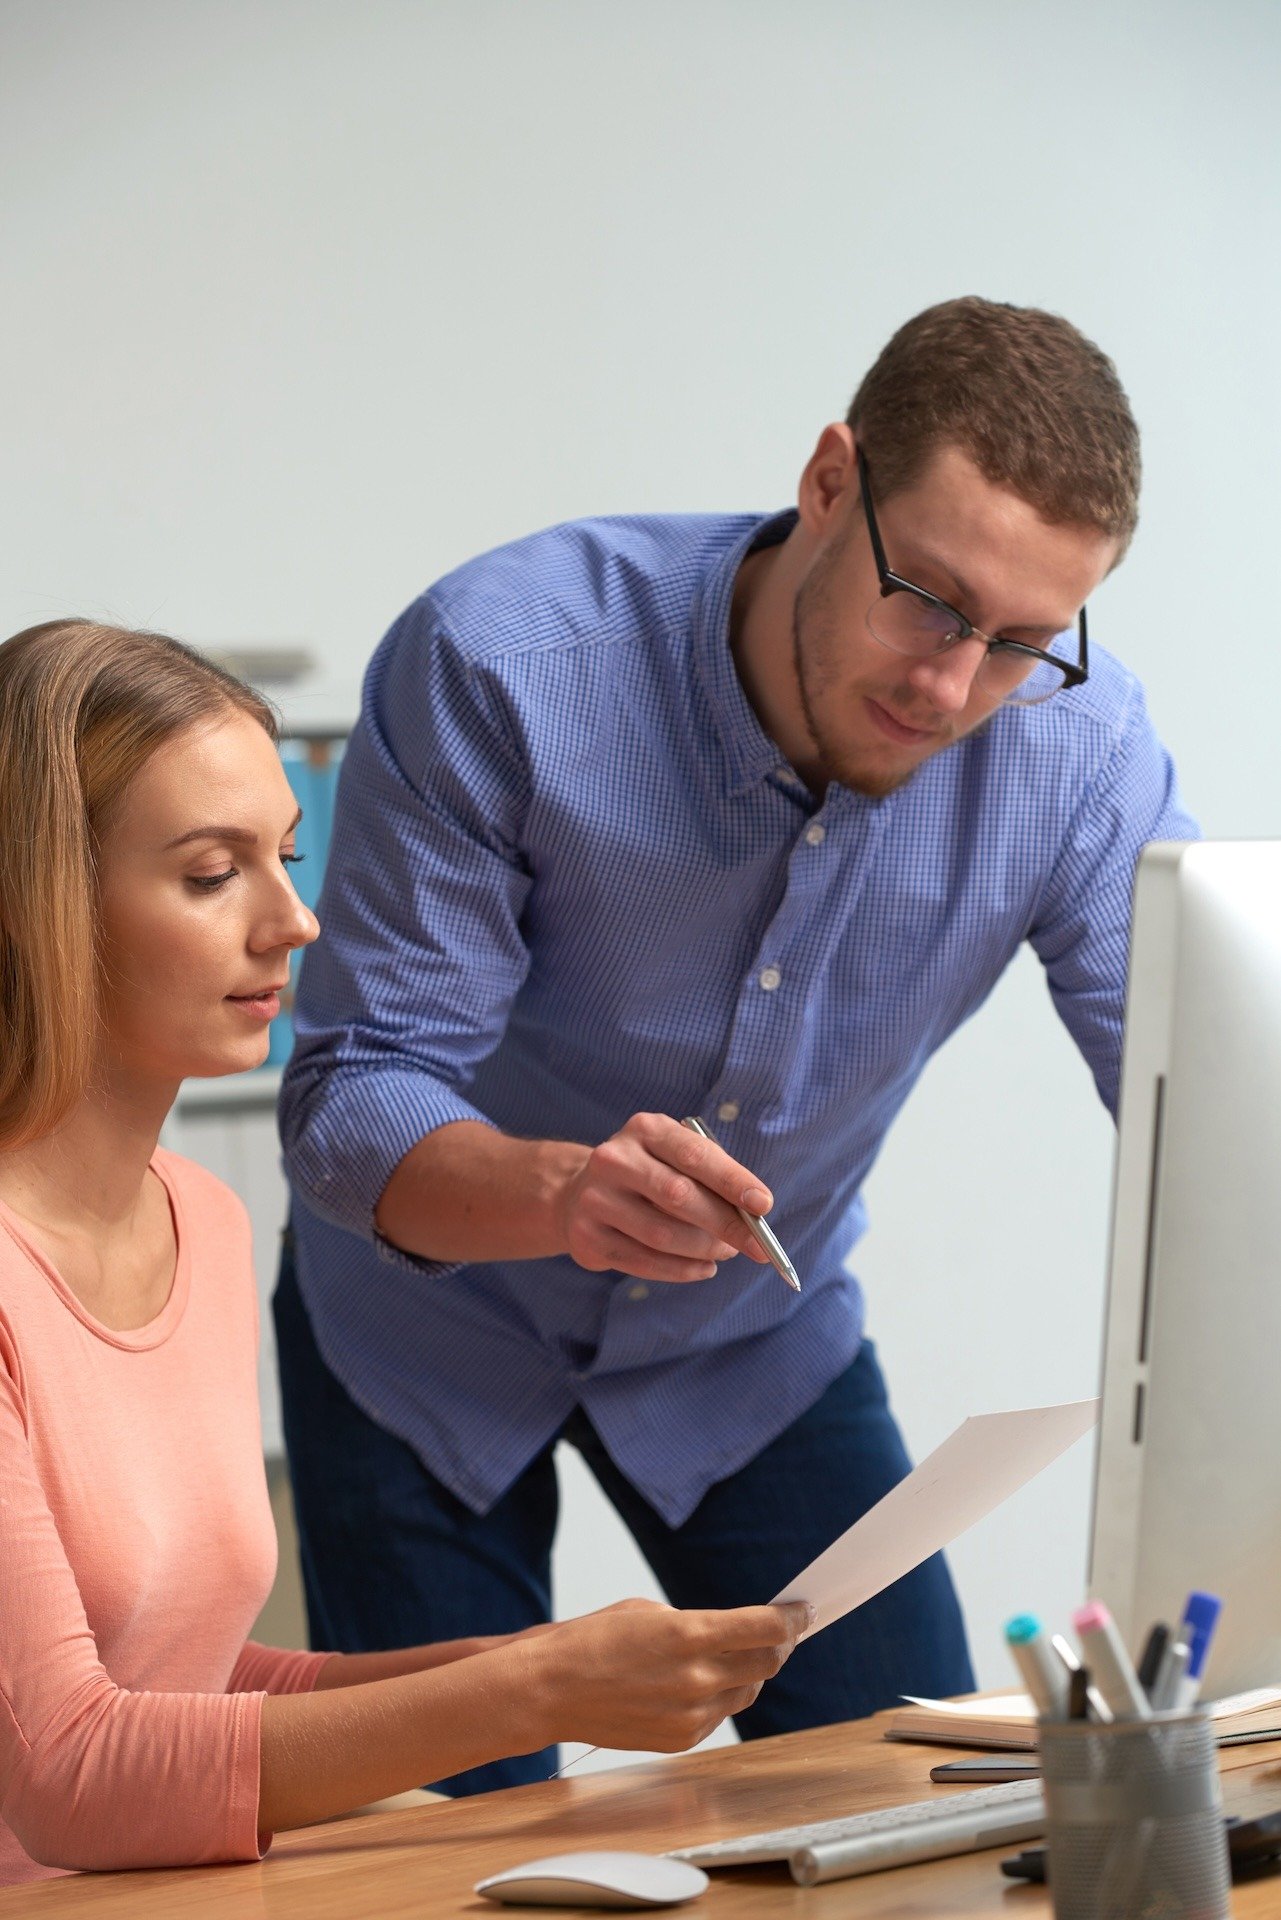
[{"x": 906, "y": 624}]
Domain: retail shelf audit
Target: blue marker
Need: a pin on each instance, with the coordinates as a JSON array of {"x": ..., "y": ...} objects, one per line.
[{"x": 1200, "y": 1617}]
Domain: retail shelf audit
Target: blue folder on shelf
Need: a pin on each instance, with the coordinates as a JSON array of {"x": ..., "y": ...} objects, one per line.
[{"x": 311, "y": 767}]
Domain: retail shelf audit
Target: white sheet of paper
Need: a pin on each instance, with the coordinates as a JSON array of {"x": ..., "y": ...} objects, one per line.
[{"x": 989, "y": 1457}]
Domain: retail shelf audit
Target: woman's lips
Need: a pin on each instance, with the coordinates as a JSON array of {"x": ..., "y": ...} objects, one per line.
[{"x": 259, "y": 1006}]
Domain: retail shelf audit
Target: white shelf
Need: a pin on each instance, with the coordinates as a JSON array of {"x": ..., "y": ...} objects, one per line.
[
  {"x": 320, "y": 708},
  {"x": 230, "y": 1091}
]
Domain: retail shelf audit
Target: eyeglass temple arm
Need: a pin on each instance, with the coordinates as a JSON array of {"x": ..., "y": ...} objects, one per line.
[{"x": 865, "y": 488}]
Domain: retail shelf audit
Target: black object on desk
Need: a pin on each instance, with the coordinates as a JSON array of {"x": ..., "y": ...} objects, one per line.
[{"x": 1254, "y": 1848}]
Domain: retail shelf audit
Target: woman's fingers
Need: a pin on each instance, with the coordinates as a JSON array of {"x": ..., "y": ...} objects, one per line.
[{"x": 645, "y": 1675}]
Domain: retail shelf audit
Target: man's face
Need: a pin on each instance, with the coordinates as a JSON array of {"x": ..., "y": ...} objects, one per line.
[{"x": 875, "y": 716}]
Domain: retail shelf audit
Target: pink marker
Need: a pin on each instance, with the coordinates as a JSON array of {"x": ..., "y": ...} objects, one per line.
[{"x": 1109, "y": 1663}]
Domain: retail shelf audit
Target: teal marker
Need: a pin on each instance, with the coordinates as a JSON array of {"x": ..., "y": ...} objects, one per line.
[{"x": 1042, "y": 1670}]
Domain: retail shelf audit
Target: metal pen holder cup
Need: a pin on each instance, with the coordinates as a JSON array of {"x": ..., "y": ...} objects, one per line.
[{"x": 1134, "y": 1819}]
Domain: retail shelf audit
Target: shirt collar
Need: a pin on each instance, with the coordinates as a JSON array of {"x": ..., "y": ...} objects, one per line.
[{"x": 750, "y": 755}]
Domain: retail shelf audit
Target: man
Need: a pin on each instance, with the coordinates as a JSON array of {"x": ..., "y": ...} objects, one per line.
[{"x": 729, "y": 817}]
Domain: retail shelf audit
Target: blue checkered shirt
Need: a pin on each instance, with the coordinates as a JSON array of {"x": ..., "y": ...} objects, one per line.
[{"x": 572, "y": 879}]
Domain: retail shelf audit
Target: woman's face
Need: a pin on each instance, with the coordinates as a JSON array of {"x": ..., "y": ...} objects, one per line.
[{"x": 199, "y": 916}]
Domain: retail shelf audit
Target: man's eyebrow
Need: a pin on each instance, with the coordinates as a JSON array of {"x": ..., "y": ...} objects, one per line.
[
  {"x": 927, "y": 560},
  {"x": 965, "y": 593},
  {"x": 237, "y": 836}
]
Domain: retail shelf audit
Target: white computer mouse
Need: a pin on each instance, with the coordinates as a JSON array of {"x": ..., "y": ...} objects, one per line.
[{"x": 596, "y": 1880}]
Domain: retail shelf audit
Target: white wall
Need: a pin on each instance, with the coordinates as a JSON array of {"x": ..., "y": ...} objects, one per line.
[{"x": 305, "y": 302}]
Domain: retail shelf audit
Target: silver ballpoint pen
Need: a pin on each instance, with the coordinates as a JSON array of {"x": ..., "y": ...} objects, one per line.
[{"x": 758, "y": 1228}]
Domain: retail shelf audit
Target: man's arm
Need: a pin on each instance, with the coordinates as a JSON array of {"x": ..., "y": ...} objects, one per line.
[
  {"x": 420, "y": 958},
  {"x": 654, "y": 1201},
  {"x": 1082, "y": 932},
  {"x": 421, "y": 952}
]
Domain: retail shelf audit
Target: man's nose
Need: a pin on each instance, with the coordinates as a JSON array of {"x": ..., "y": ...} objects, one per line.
[{"x": 947, "y": 679}]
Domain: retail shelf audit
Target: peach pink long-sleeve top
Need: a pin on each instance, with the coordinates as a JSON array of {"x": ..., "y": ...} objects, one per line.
[{"x": 136, "y": 1549}]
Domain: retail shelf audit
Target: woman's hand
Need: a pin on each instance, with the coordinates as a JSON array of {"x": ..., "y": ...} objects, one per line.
[{"x": 643, "y": 1675}]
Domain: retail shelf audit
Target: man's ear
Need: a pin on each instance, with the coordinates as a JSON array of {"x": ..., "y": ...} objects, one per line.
[{"x": 829, "y": 480}]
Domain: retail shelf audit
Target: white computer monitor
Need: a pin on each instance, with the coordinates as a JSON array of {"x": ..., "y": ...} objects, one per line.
[{"x": 1188, "y": 1470}]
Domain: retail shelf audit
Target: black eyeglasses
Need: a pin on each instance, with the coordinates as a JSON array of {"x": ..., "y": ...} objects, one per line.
[{"x": 909, "y": 620}]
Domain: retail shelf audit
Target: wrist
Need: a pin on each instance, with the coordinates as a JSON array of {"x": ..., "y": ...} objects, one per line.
[
  {"x": 557, "y": 1167},
  {"x": 544, "y": 1679}
]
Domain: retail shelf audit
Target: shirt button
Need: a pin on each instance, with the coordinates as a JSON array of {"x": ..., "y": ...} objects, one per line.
[
  {"x": 639, "y": 1292},
  {"x": 770, "y": 977},
  {"x": 815, "y": 834},
  {"x": 728, "y": 1110}
]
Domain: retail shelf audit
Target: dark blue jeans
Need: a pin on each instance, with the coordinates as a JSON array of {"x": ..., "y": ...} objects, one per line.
[{"x": 391, "y": 1558}]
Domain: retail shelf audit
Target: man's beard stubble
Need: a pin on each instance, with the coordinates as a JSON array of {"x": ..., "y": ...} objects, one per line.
[{"x": 812, "y": 607}]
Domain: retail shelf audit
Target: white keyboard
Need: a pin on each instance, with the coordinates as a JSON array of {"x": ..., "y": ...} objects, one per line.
[{"x": 890, "y": 1837}]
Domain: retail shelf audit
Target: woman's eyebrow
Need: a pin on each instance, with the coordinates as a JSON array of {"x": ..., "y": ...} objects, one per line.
[{"x": 239, "y": 836}]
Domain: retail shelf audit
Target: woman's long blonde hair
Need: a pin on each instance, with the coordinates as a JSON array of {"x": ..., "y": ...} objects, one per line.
[{"x": 82, "y": 707}]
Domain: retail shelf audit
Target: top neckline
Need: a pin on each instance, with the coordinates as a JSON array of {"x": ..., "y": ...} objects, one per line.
[{"x": 131, "y": 1339}]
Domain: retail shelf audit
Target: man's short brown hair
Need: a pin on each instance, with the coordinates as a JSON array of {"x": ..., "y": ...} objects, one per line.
[{"x": 1035, "y": 405}]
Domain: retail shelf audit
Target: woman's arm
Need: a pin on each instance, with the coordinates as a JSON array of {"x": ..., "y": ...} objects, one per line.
[
  {"x": 357, "y": 1669},
  {"x": 80, "y": 1757},
  {"x": 92, "y": 1774},
  {"x": 634, "y": 1675}
]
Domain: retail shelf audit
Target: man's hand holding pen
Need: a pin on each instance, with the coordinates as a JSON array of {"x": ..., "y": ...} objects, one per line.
[{"x": 661, "y": 1202}]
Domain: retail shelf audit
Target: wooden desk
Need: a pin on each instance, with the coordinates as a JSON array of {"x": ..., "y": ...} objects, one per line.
[{"x": 422, "y": 1864}]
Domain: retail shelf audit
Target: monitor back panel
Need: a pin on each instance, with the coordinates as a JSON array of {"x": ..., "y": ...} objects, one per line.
[{"x": 1188, "y": 1476}]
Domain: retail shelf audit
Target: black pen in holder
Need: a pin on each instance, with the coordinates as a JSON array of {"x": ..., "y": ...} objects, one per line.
[
  {"x": 1134, "y": 1819},
  {"x": 1079, "y": 1694}
]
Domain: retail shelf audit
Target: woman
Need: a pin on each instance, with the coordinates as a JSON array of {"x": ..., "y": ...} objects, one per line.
[{"x": 146, "y": 923}]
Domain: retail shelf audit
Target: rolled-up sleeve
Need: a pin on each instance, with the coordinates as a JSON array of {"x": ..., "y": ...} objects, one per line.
[
  {"x": 1082, "y": 931},
  {"x": 420, "y": 955}
]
